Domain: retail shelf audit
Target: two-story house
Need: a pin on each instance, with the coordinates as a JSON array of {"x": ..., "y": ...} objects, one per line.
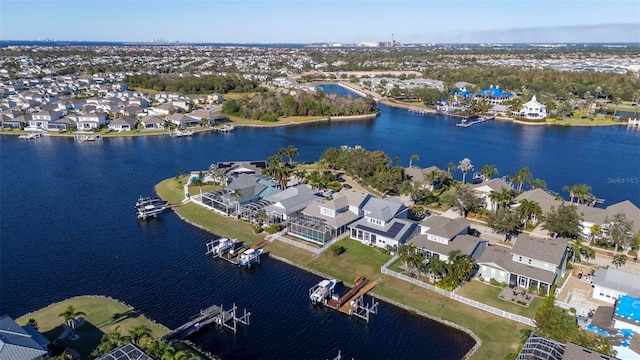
[
  {"x": 326, "y": 219},
  {"x": 438, "y": 236},
  {"x": 384, "y": 223},
  {"x": 531, "y": 263},
  {"x": 484, "y": 189},
  {"x": 90, "y": 121},
  {"x": 41, "y": 120}
]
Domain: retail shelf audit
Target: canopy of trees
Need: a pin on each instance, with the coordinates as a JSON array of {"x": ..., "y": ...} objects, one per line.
[
  {"x": 193, "y": 85},
  {"x": 270, "y": 106}
]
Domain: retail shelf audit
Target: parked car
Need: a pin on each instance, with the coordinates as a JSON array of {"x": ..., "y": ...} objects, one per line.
[{"x": 346, "y": 186}]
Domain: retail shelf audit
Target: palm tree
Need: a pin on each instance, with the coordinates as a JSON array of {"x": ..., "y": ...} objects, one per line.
[
  {"x": 300, "y": 174},
  {"x": 413, "y": 157},
  {"x": 619, "y": 260},
  {"x": 523, "y": 176},
  {"x": 236, "y": 193},
  {"x": 595, "y": 232},
  {"x": 616, "y": 102},
  {"x": 465, "y": 166},
  {"x": 200, "y": 180},
  {"x": 529, "y": 210},
  {"x": 291, "y": 152},
  {"x": 111, "y": 341},
  {"x": 488, "y": 171},
  {"x": 139, "y": 332},
  {"x": 581, "y": 192},
  {"x": 451, "y": 167},
  {"x": 502, "y": 198},
  {"x": 70, "y": 313}
]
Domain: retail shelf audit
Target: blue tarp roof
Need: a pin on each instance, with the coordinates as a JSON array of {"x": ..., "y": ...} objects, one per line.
[{"x": 628, "y": 307}]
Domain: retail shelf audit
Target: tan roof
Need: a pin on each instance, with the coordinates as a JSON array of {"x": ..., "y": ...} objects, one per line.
[
  {"x": 342, "y": 219},
  {"x": 494, "y": 184},
  {"x": 629, "y": 209},
  {"x": 444, "y": 227},
  {"x": 543, "y": 198}
]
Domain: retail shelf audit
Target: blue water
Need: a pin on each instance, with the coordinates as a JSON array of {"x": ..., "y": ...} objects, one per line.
[{"x": 67, "y": 225}]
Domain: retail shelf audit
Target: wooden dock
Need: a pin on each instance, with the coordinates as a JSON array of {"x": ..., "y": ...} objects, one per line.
[
  {"x": 346, "y": 307},
  {"x": 213, "y": 314}
]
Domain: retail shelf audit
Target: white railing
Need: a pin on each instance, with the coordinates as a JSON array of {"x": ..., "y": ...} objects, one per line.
[
  {"x": 456, "y": 297},
  {"x": 579, "y": 310}
]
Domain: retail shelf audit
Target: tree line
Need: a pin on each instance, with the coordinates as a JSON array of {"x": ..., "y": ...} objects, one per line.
[
  {"x": 272, "y": 105},
  {"x": 194, "y": 85}
]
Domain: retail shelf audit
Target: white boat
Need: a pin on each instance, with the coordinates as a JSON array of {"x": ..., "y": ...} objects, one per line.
[
  {"x": 226, "y": 128},
  {"x": 249, "y": 257},
  {"x": 30, "y": 136},
  {"x": 178, "y": 133},
  {"x": 220, "y": 246},
  {"x": 143, "y": 201},
  {"x": 149, "y": 210},
  {"x": 320, "y": 292}
]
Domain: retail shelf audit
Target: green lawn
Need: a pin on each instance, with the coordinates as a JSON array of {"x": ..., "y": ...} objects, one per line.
[
  {"x": 103, "y": 315},
  {"x": 488, "y": 294},
  {"x": 171, "y": 191},
  {"x": 499, "y": 336}
]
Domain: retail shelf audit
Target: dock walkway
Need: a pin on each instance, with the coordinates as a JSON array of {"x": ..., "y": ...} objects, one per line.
[
  {"x": 213, "y": 314},
  {"x": 347, "y": 306}
]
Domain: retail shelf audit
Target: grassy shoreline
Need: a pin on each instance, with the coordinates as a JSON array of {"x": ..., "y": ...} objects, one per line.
[{"x": 498, "y": 337}]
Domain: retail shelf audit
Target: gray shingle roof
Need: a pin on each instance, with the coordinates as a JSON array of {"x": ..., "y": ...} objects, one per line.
[
  {"x": 629, "y": 209},
  {"x": 548, "y": 250},
  {"x": 444, "y": 227},
  {"x": 501, "y": 256},
  {"x": 467, "y": 244},
  {"x": 618, "y": 280},
  {"x": 543, "y": 198},
  {"x": 495, "y": 184}
]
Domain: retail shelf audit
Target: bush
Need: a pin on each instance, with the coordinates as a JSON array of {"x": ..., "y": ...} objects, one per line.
[
  {"x": 257, "y": 229},
  {"x": 495, "y": 282},
  {"x": 633, "y": 253},
  {"x": 274, "y": 228},
  {"x": 337, "y": 249},
  {"x": 569, "y": 266},
  {"x": 542, "y": 291}
]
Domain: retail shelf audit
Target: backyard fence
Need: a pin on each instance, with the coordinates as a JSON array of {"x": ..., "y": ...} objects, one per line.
[{"x": 456, "y": 297}]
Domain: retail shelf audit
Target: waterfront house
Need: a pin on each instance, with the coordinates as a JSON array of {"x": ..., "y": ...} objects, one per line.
[
  {"x": 484, "y": 189},
  {"x": 438, "y": 236},
  {"x": 233, "y": 168},
  {"x": 152, "y": 122},
  {"x": 289, "y": 202},
  {"x": 20, "y": 342},
  {"x": 533, "y": 110},
  {"x": 41, "y": 120},
  {"x": 383, "y": 223},
  {"x": 64, "y": 124},
  {"x": 423, "y": 176},
  {"x": 163, "y": 109},
  {"x": 207, "y": 116},
  {"x": 493, "y": 95},
  {"x": 540, "y": 196},
  {"x": 182, "y": 120},
  {"x": 125, "y": 123},
  {"x": 326, "y": 219},
  {"x": 610, "y": 284},
  {"x": 531, "y": 263},
  {"x": 90, "y": 121},
  {"x": 242, "y": 191}
]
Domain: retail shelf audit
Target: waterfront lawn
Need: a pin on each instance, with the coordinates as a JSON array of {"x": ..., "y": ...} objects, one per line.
[
  {"x": 499, "y": 336},
  {"x": 103, "y": 315},
  {"x": 222, "y": 225},
  {"x": 238, "y": 120},
  {"x": 488, "y": 294},
  {"x": 170, "y": 190}
]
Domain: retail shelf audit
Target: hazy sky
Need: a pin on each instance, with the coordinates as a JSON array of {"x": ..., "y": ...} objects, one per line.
[{"x": 305, "y": 21}]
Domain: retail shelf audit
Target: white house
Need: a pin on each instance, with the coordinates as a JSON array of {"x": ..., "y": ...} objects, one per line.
[
  {"x": 125, "y": 123},
  {"x": 483, "y": 191},
  {"x": 384, "y": 223},
  {"x": 610, "y": 284},
  {"x": 91, "y": 121},
  {"x": 533, "y": 109}
]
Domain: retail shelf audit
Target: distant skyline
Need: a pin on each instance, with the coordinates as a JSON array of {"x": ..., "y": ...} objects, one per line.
[{"x": 329, "y": 21}]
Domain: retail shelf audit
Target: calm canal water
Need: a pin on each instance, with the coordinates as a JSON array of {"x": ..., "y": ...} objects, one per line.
[{"x": 67, "y": 226}]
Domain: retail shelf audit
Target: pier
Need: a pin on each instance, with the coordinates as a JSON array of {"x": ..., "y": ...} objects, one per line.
[
  {"x": 178, "y": 133},
  {"x": 352, "y": 302},
  {"x": 87, "y": 137},
  {"x": 466, "y": 123},
  {"x": 31, "y": 136},
  {"x": 225, "y": 129},
  {"x": 236, "y": 252},
  {"x": 212, "y": 315},
  {"x": 420, "y": 111}
]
